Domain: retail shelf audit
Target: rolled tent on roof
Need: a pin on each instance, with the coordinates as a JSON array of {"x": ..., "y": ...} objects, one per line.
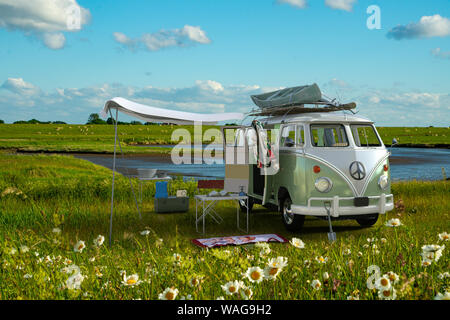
[
  {"x": 308, "y": 94},
  {"x": 153, "y": 114}
]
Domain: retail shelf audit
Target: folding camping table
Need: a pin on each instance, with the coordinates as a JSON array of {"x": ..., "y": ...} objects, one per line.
[{"x": 208, "y": 203}]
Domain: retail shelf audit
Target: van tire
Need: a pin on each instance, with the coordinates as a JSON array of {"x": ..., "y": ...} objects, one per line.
[
  {"x": 250, "y": 205},
  {"x": 292, "y": 222},
  {"x": 368, "y": 221}
]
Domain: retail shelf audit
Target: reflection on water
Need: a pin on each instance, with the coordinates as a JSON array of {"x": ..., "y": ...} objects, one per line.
[{"x": 406, "y": 164}]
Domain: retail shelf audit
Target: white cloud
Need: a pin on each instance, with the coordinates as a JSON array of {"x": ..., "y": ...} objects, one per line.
[
  {"x": 45, "y": 19},
  {"x": 438, "y": 53},
  {"x": 19, "y": 86},
  {"x": 186, "y": 36},
  {"x": 427, "y": 27},
  {"x": 301, "y": 4},
  {"x": 346, "y": 5},
  {"x": 54, "y": 41},
  {"x": 196, "y": 34},
  {"x": 20, "y": 99}
]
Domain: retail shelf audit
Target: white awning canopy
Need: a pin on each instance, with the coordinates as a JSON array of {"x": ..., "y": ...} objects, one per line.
[{"x": 153, "y": 114}]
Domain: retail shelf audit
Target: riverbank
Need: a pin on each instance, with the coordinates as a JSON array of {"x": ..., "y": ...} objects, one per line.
[{"x": 153, "y": 139}]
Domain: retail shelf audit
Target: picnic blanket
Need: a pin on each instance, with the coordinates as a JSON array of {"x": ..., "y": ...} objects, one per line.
[{"x": 238, "y": 240}]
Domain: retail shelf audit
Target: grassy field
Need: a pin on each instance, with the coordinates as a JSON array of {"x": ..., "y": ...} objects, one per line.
[
  {"x": 39, "y": 193},
  {"x": 100, "y": 138}
]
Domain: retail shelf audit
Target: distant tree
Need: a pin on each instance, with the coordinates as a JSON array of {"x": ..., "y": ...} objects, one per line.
[
  {"x": 59, "y": 122},
  {"x": 94, "y": 118},
  {"x": 149, "y": 123},
  {"x": 1, "y": 121},
  {"x": 136, "y": 123},
  {"x": 20, "y": 122},
  {"x": 110, "y": 121}
]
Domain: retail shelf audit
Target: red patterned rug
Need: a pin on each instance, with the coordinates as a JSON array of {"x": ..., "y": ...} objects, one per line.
[{"x": 238, "y": 240}]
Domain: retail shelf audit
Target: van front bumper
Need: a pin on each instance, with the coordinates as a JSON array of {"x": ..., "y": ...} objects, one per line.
[{"x": 385, "y": 202}]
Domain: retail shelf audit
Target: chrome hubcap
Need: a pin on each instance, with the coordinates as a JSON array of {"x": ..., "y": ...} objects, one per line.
[{"x": 287, "y": 213}]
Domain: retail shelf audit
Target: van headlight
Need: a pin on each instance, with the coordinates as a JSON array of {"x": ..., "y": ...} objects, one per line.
[
  {"x": 323, "y": 184},
  {"x": 383, "y": 182}
]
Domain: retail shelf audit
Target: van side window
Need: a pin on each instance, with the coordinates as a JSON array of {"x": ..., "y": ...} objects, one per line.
[
  {"x": 300, "y": 136},
  {"x": 288, "y": 137},
  {"x": 328, "y": 135},
  {"x": 365, "y": 135}
]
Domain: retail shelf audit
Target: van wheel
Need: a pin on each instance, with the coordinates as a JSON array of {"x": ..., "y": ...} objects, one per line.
[
  {"x": 292, "y": 222},
  {"x": 368, "y": 221},
  {"x": 250, "y": 205}
]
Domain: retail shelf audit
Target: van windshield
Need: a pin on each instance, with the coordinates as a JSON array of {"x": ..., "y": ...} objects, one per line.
[
  {"x": 328, "y": 135},
  {"x": 365, "y": 135}
]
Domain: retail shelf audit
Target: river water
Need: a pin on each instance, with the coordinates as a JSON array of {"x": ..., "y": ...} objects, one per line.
[{"x": 406, "y": 164}]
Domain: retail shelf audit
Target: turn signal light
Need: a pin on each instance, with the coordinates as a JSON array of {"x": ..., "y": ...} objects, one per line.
[
  {"x": 385, "y": 167},
  {"x": 316, "y": 169}
]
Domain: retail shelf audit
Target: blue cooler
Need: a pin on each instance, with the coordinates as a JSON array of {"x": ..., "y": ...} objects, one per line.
[{"x": 161, "y": 189}]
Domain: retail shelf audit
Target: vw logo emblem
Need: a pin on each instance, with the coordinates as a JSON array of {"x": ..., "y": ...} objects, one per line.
[{"x": 357, "y": 170}]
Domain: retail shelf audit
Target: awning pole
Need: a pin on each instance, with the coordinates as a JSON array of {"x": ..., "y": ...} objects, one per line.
[
  {"x": 129, "y": 179},
  {"x": 114, "y": 171}
]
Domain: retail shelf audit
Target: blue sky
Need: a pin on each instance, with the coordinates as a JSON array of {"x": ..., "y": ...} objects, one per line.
[{"x": 209, "y": 56}]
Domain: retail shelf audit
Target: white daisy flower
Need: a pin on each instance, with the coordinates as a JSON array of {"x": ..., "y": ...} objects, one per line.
[
  {"x": 131, "y": 281},
  {"x": 325, "y": 276},
  {"x": 353, "y": 297},
  {"x": 56, "y": 230},
  {"x": 24, "y": 249},
  {"x": 74, "y": 281},
  {"x": 393, "y": 277},
  {"x": 426, "y": 262},
  {"x": 176, "y": 258},
  {"x": 168, "y": 294},
  {"x": 145, "y": 232},
  {"x": 254, "y": 274},
  {"x": 48, "y": 260},
  {"x": 28, "y": 276},
  {"x": 99, "y": 240},
  {"x": 432, "y": 252},
  {"x": 387, "y": 294},
  {"x": 298, "y": 243},
  {"x": 444, "y": 275},
  {"x": 246, "y": 293},
  {"x": 347, "y": 252},
  {"x": 393, "y": 223},
  {"x": 79, "y": 246},
  {"x": 307, "y": 263},
  {"x": 321, "y": 259},
  {"x": 444, "y": 236},
  {"x": 316, "y": 284},
  {"x": 440, "y": 296},
  {"x": 220, "y": 298},
  {"x": 383, "y": 283},
  {"x": 195, "y": 281},
  {"x": 232, "y": 287}
]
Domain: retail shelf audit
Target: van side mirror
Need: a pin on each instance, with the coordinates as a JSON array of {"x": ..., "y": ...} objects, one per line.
[{"x": 394, "y": 142}]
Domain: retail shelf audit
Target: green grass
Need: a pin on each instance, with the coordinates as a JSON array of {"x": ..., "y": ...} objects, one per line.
[
  {"x": 100, "y": 138},
  {"x": 74, "y": 195}
]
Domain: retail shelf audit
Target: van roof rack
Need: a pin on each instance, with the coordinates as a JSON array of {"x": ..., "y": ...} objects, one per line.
[{"x": 300, "y": 108}]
